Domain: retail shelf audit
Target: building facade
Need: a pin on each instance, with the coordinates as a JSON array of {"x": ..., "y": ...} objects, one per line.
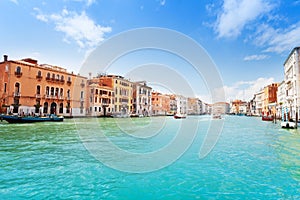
[
  {"x": 101, "y": 98},
  {"x": 123, "y": 93},
  {"x": 30, "y": 88},
  {"x": 292, "y": 83},
  {"x": 160, "y": 104},
  {"x": 221, "y": 108},
  {"x": 142, "y": 101},
  {"x": 194, "y": 106},
  {"x": 181, "y": 104}
]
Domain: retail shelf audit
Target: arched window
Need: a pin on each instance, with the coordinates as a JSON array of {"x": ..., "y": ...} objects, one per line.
[
  {"x": 18, "y": 70},
  {"x": 96, "y": 91},
  {"x": 52, "y": 91},
  {"x": 61, "y": 92},
  {"x": 53, "y": 76},
  {"x": 57, "y": 77},
  {"x": 62, "y": 78},
  {"x": 48, "y": 76},
  {"x": 38, "y": 89},
  {"x": 47, "y": 90},
  {"x": 39, "y": 74}
]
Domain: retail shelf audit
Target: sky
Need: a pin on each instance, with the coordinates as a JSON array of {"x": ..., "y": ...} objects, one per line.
[{"x": 248, "y": 40}]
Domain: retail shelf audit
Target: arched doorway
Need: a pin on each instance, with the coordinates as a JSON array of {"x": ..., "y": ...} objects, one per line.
[
  {"x": 61, "y": 108},
  {"x": 53, "y": 108},
  {"x": 45, "y": 110}
]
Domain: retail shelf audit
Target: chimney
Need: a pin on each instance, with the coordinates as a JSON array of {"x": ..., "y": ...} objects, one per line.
[{"x": 5, "y": 58}]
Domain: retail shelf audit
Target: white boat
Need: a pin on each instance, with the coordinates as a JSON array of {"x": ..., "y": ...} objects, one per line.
[
  {"x": 179, "y": 116},
  {"x": 288, "y": 125},
  {"x": 216, "y": 116}
]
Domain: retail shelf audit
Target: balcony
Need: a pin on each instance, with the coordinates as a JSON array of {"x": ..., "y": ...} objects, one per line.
[
  {"x": 68, "y": 98},
  {"x": 290, "y": 97},
  {"x": 69, "y": 82},
  {"x": 18, "y": 74},
  {"x": 82, "y": 99},
  {"x": 288, "y": 78},
  {"x": 17, "y": 94},
  {"x": 48, "y": 78},
  {"x": 38, "y": 96},
  {"x": 60, "y": 97},
  {"x": 39, "y": 77},
  {"x": 47, "y": 96},
  {"x": 82, "y": 85}
]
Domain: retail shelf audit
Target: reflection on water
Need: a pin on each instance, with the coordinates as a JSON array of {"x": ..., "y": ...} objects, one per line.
[{"x": 288, "y": 148}]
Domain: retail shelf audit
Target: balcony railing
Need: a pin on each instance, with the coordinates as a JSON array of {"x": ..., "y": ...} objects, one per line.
[
  {"x": 68, "y": 98},
  {"x": 16, "y": 94},
  {"x": 69, "y": 82},
  {"x": 39, "y": 77},
  {"x": 38, "y": 96},
  {"x": 18, "y": 74}
]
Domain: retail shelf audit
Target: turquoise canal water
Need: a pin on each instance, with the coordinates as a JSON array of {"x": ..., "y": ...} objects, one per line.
[{"x": 251, "y": 160}]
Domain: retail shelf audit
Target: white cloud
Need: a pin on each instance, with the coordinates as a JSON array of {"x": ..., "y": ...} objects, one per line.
[
  {"x": 15, "y": 2},
  {"x": 255, "y": 57},
  {"x": 278, "y": 40},
  {"x": 237, "y": 13},
  {"x": 162, "y": 2},
  {"x": 245, "y": 90},
  {"x": 77, "y": 27}
]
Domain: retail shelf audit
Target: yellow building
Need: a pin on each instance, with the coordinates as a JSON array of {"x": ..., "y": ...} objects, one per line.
[
  {"x": 123, "y": 91},
  {"x": 27, "y": 87}
]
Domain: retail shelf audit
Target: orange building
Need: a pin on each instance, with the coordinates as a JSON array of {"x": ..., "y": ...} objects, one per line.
[
  {"x": 101, "y": 98},
  {"x": 27, "y": 87},
  {"x": 270, "y": 100},
  {"x": 160, "y": 104}
]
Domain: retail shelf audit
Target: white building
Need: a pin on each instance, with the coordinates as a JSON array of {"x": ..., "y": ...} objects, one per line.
[
  {"x": 281, "y": 99},
  {"x": 259, "y": 102},
  {"x": 292, "y": 81},
  {"x": 181, "y": 104},
  {"x": 141, "y": 99}
]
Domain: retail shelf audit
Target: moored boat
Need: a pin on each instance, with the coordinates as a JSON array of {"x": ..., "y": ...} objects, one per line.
[
  {"x": 179, "y": 116},
  {"x": 267, "y": 118},
  {"x": 216, "y": 116},
  {"x": 288, "y": 125},
  {"x": 31, "y": 119}
]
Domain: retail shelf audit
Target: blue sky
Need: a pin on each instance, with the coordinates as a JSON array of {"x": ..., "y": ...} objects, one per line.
[{"x": 248, "y": 40}]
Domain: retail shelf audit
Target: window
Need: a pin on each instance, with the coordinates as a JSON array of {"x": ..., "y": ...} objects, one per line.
[
  {"x": 47, "y": 90},
  {"x": 17, "y": 88},
  {"x": 62, "y": 78},
  {"x": 48, "y": 76},
  {"x": 5, "y": 86},
  {"x": 18, "y": 70},
  {"x": 99, "y": 109},
  {"x": 95, "y": 109},
  {"x": 38, "y": 89},
  {"x": 96, "y": 99},
  {"x": 39, "y": 74},
  {"x": 96, "y": 91},
  {"x": 52, "y": 91},
  {"x": 81, "y": 94},
  {"x": 53, "y": 76}
]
